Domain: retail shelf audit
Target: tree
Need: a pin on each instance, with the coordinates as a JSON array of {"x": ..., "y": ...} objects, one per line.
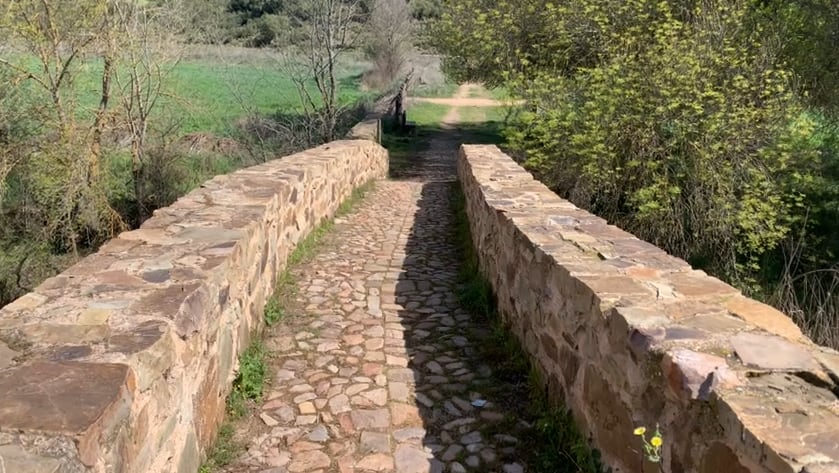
[
  {"x": 675, "y": 120},
  {"x": 325, "y": 31},
  {"x": 142, "y": 45},
  {"x": 64, "y": 173},
  {"x": 391, "y": 35}
]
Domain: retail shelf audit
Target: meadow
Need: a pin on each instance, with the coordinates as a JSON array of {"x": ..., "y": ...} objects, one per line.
[
  {"x": 208, "y": 91},
  {"x": 220, "y": 109}
]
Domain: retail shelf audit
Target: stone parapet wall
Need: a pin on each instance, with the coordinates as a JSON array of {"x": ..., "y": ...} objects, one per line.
[
  {"x": 627, "y": 335},
  {"x": 368, "y": 129},
  {"x": 122, "y": 362}
]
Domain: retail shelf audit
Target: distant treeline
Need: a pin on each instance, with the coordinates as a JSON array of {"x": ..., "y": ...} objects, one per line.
[{"x": 260, "y": 23}]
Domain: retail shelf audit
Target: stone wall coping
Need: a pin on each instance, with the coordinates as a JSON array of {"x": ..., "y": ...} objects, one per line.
[
  {"x": 370, "y": 128},
  {"x": 767, "y": 392}
]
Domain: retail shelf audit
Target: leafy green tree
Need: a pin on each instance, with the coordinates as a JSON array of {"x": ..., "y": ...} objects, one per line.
[
  {"x": 806, "y": 34},
  {"x": 426, "y": 9},
  {"x": 256, "y": 8},
  {"x": 672, "y": 119}
]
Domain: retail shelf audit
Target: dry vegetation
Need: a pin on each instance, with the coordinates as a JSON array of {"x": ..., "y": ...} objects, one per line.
[{"x": 114, "y": 108}]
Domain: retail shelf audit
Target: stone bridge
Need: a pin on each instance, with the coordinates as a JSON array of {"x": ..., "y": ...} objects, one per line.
[{"x": 122, "y": 363}]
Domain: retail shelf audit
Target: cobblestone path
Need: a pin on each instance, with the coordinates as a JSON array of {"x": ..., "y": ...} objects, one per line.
[{"x": 381, "y": 372}]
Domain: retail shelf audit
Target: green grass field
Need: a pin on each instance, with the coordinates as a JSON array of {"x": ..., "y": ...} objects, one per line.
[
  {"x": 446, "y": 89},
  {"x": 424, "y": 113},
  {"x": 208, "y": 94}
]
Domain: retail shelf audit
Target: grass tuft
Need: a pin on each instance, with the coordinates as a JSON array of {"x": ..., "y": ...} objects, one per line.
[
  {"x": 225, "y": 450},
  {"x": 250, "y": 381}
]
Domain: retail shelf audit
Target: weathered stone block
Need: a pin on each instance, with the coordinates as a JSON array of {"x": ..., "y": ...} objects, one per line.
[
  {"x": 14, "y": 459},
  {"x": 80, "y": 400}
]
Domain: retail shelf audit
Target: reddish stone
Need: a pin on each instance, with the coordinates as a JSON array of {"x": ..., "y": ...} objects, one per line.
[
  {"x": 765, "y": 317},
  {"x": 405, "y": 414},
  {"x": 370, "y": 419},
  {"x": 137, "y": 339},
  {"x": 371, "y": 369},
  {"x": 642, "y": 272},
  {"x": 305, "y": 446},
  {"x": 698, "y": 284},
  {"x": 64, "y": 334},
  {"x": 772, "y": 352},
  {"x": 165, "y": 301},
  {"x": 622, "y": 285},
  {"x": 720, "y": 458},
  {"x": 346, "y": 423},
  {"x": 613, "y": 424},
  {"x": 697, "y": 374},
  {"x": 308, "y": 461},
  {"x": 209, "y": 406},
  {"x": 376, "y": 462},
  {"x": 346, "y": 464},
  {"x": 82, "y": 400},
  {"x": 119, "y": 280}
]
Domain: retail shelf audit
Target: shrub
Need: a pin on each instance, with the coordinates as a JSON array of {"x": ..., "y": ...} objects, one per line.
[{"x": 671, "y": 119}]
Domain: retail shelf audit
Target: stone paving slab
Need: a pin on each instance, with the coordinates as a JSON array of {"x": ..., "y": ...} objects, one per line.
[{"x": 379, "y": 372}]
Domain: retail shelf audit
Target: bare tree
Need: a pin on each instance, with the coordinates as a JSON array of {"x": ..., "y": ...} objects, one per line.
[
  {"x": 391, "y": 36},
  {"x": 146, "y": 53},
  {"x": 66, "y": 173},
  {"x": 324, "y": 31}
]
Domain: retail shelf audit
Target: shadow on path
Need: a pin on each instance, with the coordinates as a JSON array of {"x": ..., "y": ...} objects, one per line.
[{"x": 471, "y": 417}]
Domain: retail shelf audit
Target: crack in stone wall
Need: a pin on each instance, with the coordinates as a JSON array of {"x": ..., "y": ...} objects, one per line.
[
  {"x": 122, "y": 362},
  {"x": 627, "y": 335}
]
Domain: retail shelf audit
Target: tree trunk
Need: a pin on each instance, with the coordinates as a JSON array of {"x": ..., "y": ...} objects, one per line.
[{"x": 95, "y": 162}]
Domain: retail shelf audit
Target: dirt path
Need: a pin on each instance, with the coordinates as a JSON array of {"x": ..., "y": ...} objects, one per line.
[
  {"x": 453, "y": 115},
  {"x": 466, "y": 102},
  {"x": 379, "y": 369}
]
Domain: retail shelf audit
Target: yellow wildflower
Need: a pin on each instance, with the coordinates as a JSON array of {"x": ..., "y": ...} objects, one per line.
[
  {"x": 640, "y": 431},
  {"x": 656, "y": 441}
]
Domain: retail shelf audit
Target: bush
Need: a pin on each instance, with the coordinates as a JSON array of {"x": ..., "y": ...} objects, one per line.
[{"x": 692, "y": 142}]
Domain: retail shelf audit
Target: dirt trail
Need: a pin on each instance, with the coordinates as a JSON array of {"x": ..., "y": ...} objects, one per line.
[
  {"x": 453, "y": 115},
  {"x": 467, "y": 102},
  {"x": 462, "y": 99}
]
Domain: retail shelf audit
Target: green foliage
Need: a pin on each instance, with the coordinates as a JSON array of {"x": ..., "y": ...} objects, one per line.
[
  {"x": 250, "y": 380},
  {"x": 274, "y": 312},
  {"x": 667, "y": 119},
  {"x": 685, "y": 122},
  {"x": 425, "y": 113},
  {"x": 250, "y": 23},
  {"x": 426, "y": 9},
  {"x": 807, "y": 33},
  {"x": 490, "y": 42},
  {"x": 211, "y": 94},
  {"x": 499, "y": 114},
  {"x": 47, "y": 221}
]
